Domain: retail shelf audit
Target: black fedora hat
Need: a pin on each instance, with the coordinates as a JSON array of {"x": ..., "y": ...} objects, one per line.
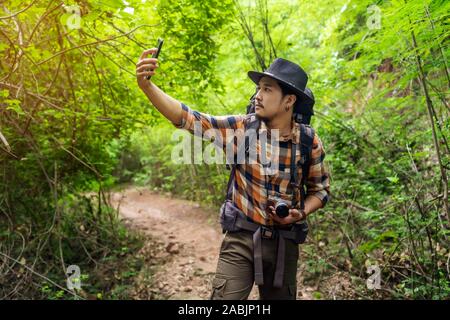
[{"x": 288, "y": 73}]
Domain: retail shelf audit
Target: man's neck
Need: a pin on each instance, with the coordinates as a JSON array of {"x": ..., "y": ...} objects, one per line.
[{"x": 284, "y": 125}]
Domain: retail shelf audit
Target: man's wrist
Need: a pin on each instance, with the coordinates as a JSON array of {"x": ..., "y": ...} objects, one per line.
[
  {"x": 302, "y": 215},
  {"x": 147, "y": 86}
]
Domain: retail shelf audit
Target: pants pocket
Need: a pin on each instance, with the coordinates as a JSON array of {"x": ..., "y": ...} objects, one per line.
[{"x": 218, "y": 287}]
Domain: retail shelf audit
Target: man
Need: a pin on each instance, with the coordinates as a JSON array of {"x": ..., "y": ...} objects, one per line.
[{"x": 260, "y": 246}]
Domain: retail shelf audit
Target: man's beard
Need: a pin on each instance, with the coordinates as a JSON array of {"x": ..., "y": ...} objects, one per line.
[{"x": 261, "y": 118}]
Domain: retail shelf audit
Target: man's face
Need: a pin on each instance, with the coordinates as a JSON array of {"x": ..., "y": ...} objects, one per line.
[{"x": 269, "y": 101}]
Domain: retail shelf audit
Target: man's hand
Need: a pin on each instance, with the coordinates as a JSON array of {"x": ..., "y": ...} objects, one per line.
[
  {"x": 166, "y": 105},
  {"x": 293, "y": 216},
  {"x": 146, "y": 67}
]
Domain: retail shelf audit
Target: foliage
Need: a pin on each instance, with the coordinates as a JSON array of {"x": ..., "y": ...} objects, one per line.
[{"x": 74, "y": 123}]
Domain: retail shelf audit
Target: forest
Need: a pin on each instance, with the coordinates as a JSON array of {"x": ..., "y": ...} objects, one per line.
[{"x": 79, "y": 142}]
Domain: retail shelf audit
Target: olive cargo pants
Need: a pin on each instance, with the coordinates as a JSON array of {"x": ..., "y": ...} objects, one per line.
[{"x": 235, "y": 270}]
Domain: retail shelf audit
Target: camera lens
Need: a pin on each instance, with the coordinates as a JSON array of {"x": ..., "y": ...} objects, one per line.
[{"x": 282, "y": 209}]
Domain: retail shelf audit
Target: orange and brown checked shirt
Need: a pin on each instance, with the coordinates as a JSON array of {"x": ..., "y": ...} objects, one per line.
[{"x": 252, "y": 185}]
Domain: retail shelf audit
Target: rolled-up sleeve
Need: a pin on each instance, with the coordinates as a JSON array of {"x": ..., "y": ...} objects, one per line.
[
  {"x": 215, "y": 128},
  {"x": 318, "y": 182}
]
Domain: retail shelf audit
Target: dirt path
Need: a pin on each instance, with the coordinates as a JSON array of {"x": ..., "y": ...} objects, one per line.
[{"x": 183, "y": 246}]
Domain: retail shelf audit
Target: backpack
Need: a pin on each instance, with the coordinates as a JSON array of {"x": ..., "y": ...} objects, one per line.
[{"x": 302, "y": 117}]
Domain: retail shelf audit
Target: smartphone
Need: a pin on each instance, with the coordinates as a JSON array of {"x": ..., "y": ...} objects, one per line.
[{"x": 156, "y": 54}]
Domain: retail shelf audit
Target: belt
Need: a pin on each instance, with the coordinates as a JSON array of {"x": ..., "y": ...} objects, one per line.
[{"x": 260, "y": 231}]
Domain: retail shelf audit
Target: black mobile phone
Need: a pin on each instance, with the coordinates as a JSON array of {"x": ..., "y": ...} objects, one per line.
[{"x": 156, "y": 54}]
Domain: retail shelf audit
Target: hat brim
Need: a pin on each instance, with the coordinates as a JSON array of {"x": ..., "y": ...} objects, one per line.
[{"x": 255, "y": 76}]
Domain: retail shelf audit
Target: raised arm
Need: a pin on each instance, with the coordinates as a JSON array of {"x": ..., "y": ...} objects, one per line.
[
  {"x": 168, "y": 106},
  {"x": 179, "y": 114}
]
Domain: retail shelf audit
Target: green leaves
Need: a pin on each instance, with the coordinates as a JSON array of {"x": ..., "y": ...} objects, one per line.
[
  {"x": 393, "y": 179},
  {"x": 14, "y": 105},
  {"x": 189, "y": 30},
  {"x": 379, "y": 241},
  {"x": 370, "y": 114}
]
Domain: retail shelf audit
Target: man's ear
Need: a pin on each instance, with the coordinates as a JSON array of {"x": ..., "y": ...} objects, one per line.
[{"x": 291, "y": 99}]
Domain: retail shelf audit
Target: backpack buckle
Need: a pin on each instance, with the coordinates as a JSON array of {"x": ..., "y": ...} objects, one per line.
[
  {"x": 267, "y": 233},
  {"x": 294, "y": 184},
  {"x": 301, "y": 161}
]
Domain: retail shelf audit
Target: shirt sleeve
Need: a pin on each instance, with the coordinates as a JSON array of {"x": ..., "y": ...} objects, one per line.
[
  {"x": 318, "y": 182},
  {"x": 218, "y": 129}
]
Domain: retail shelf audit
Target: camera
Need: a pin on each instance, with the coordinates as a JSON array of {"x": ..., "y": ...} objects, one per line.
[{"x": 281, "y": 207}]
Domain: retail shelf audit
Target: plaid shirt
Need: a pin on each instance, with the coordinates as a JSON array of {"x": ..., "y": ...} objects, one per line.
[{"x": 249, "y": 192}]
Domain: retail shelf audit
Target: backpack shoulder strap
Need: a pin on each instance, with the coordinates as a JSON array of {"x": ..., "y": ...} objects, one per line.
[
  {"x": 306, "y": 142},
  {"x": 250, "y": 122},
  {"x": 294, "y": 178},
  {"x": 230, "y": 181}
]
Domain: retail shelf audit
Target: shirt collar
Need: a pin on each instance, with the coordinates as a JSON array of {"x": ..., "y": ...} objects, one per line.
[{"x": 294, "y": 135}]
